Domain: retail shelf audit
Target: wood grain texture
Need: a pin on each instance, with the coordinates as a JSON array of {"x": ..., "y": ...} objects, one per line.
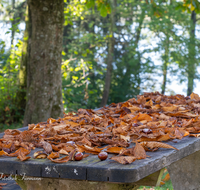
[{"x": 92, "y": 169}]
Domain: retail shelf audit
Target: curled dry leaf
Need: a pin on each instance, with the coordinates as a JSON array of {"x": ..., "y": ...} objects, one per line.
[
  {"x": 53, "y": 155},
  {"x": 61, "y": 160},
  {"x": 153, "y": 144},
  {"x": 195, "y": 135},
  {"x": 3, "y": 153},
  {"x": 39, "y": 155},
  {"x": 63, "y": 151},
  {"x": 21, "y": 154},
  {"x": 16, "y": 153},
  {"x": 115, "y": 150},
  {"x": 124, "y": 159}
]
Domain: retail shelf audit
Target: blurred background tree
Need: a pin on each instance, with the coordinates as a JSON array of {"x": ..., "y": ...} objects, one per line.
[{"x": 111, "y": 51}]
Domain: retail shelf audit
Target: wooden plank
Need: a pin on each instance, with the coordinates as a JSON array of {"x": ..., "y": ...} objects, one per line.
[{"x": 91, "y": 168}]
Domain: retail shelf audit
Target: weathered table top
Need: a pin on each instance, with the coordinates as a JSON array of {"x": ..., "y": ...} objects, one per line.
[{"x": 92, "y": 169}]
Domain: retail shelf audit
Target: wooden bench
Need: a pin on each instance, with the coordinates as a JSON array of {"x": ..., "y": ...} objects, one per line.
[{"x": 91, "y": 173}]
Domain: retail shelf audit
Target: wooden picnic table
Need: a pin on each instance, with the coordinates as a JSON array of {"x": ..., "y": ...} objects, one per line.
[{"x": 91, "y": 173}]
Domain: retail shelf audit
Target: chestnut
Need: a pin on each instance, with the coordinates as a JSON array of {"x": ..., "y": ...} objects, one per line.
[
  {"x": 103, "y": 155},
  {"x": 78, "y": 156}
]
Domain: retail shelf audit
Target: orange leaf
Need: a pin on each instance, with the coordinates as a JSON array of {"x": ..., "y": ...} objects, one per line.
[
  {"x": 91, "y": 149},
  {"x": 143, "y": 116},
  {"x": 115, "y": 149},
  {"x": 63, "y": 151},
  {"x": 16, "y": 153},
  {"x": 195, "y": 135},
  {"x": 165, "y": 137},
  {"x": 22, "y": 156},
  {"x": 194, "y": 96},
  {"x": 167, "y": 177},
  {"x": 2, "y": 153},
  {"x": 149, "y": 103},
  {"x": 169, "y": 109},
  {"x": 53, "y": 155}
]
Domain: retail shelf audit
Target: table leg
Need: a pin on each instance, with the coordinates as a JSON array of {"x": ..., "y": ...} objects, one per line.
[{"x": 185, "y": 173}]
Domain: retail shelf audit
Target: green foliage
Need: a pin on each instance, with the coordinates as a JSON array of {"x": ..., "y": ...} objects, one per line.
[
  {"x": 3, "y": 127},
  {"x": 138, "y": 24},
  {"x": 9, "y": 67},
  {"x": 103, "y": 6}
]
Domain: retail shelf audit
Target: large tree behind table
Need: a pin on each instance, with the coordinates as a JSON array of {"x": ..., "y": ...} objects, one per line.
[{"x": 44, "y": 92}]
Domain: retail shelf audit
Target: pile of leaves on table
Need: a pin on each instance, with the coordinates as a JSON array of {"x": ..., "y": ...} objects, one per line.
[{"x": 127, "y": 129}]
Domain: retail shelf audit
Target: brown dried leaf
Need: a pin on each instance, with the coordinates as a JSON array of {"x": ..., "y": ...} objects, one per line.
[
  {"x": 194, "y": 135},
  {"x": 170, "y": 109},
  {"x": 3, "y": 153},
  {"x": 16, "y": 153},
  {"x": 149, "y": 103},
  {"x": 40, "y": 155},
  {"x": 165, "y": 137},
  {"x": 194, "y": 96},
  {"x": 158, "y": 99},
  {"x": 143, "y": 116},
  {"x": 47, "y": 146},
  {"x": 92, "y": 149},
  {"x": 61, "y": 160},
  {"x": 85, "y": 141},
  {"x": 27, "y": 136},
  {"x": 63, "y": 151},
  {"x": 153, "y": 144},
  {"x": 22, "y": 155},
  {"x": 124, "y": 159},
  {"x": 53, "y": 155},
  {"x": 115, "y": 149},
  {"x": 139, "y": 151}
]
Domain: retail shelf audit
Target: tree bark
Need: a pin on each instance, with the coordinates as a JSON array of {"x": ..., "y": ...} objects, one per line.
[
  {"x": 109, "y": 57},
  {"x": 165, "y": 67},
  {"x": 44, "y": 90},
  {"x": 166, "y": 54},
  {"x": 192, "y": 61},
  {"x": 13, "y": 23},
  {"x": 21, "y": 93}
]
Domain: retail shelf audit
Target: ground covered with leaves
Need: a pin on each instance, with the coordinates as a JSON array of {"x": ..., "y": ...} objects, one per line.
[{"x": 126, "y": 130}]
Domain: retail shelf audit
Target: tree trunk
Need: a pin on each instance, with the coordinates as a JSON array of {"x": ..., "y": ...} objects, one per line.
[
  {"x": 191, "y": 62},
  {"x": 21, "y": 93},
  {"x": 165, "y": 67},
  {"x": 44, "y": 90},
  {"x": 13, "y": 23},
  {"x": 166, "y": 53},
  {"x": 109, "y": 56}
]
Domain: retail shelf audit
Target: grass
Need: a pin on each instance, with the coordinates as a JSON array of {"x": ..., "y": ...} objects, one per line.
[{"x": 166, "y": 186}]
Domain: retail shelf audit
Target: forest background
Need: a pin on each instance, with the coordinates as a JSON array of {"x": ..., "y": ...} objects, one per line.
[{"x": 112, "y": 51}]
